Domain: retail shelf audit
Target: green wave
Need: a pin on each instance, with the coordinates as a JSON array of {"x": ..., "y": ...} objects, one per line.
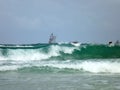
[{"x": 58, "y": 51}]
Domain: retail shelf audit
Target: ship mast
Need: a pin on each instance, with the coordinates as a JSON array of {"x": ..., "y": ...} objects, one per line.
[{"x": 52, "y": 38}]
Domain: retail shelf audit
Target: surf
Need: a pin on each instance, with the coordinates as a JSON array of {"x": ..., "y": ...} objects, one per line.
[
  {"x": 60, "y": 57},
  {"x": 58, "y": 51},
  {"x": 82, "y": 66}
]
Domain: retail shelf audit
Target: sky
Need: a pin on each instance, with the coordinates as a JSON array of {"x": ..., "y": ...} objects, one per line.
[{"x": 86, "y": 21}]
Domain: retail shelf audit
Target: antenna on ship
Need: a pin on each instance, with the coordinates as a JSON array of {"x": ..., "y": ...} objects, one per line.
[{"x": 52, "y": 38}]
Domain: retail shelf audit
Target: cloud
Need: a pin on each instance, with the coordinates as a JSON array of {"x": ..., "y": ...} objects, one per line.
[{"x": 77, "y": 18}]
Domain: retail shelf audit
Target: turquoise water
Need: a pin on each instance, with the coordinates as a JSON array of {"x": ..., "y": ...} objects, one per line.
[
  {"x": 59, "y": 66},
  {"x": 90, "y": 58}
]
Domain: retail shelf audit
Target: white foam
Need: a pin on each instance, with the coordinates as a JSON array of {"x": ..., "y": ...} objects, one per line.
[
  {"x": 8, "y": 68},
  {"x": 85, "y": 66},
  {"x": 75, "y": 44},
  {"x": 57, "y": 49},
  {"x": 35, "y": 54},
  {"x": 90, "y": 66},
  {"x": 103, "y": 66}
]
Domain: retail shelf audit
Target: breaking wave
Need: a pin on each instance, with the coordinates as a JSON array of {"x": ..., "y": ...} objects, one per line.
[{"x": 61, "y": 57}]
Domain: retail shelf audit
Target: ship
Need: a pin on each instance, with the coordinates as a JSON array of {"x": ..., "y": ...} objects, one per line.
[{"x": 52, "y": 39}]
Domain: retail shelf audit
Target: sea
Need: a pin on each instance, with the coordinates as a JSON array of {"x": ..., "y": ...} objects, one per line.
[{"x": 59, "y": 66}]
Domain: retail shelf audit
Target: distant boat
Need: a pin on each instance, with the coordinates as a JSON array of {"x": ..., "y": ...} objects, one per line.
[
  {"x": 75, "y": 43},
  {"x": 52, "y": 39}
]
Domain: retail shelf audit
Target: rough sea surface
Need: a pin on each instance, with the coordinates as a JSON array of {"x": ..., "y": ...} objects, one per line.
[{"x": 62, "y": 66}]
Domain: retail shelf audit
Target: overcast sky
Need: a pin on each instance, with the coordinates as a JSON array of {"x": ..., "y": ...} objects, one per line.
[{"x": 32, "y": 21}]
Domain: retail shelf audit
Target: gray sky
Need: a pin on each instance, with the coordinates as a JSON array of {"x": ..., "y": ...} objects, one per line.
[{"x": 32, "y": 21}]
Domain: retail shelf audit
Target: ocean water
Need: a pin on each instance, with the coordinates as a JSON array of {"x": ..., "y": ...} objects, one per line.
[{"x": 61, "y": 66}]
